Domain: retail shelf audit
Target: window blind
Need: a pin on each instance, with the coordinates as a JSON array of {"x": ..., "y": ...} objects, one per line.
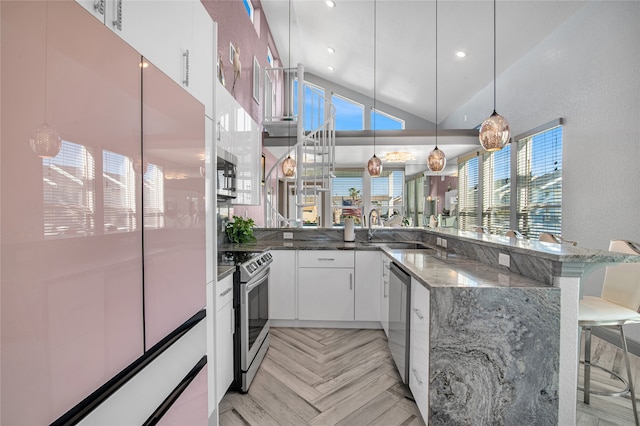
[
  {"x": 539, "y": 171},
  {"x": 496, "y": 190},
  {"x": 468, "y": 194},
  {"x": 119, "y": 193},
  {"x": 346, "y": 195},
  {"x": 68, "y": 192},
  {"x": 387, "y": 193}
]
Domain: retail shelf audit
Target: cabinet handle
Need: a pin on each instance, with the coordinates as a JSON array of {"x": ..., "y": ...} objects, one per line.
[
  {"x": 118, "y": 22},
  {"x": 386, "y": 290},
  {"x": 186, "y": 72},
  {"x": 330, "y": 259},
  {"x": 226, "y": 291},
  {"x": 415, "y": 374},
  {"x": 418, "y": 313},
  {"x": 350, "y": 281},
  {"x": 99, "y": 6}
]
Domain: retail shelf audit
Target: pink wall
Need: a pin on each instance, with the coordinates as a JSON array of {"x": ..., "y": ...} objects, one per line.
[
  {"x": 439, "y": 187},
  {"x": 235, "y": 27}
]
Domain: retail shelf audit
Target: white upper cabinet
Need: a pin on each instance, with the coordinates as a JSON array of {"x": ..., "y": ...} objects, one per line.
[
  {"x": 238, "y": 134},
  {"x": 175, "y": 35}
]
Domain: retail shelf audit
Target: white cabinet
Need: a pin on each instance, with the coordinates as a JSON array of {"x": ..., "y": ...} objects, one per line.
[
  {"x": 225, "y": 325},
  {"x": 240, "y": 135},
  {"x": 419, "y": 346},
  {"x": 326, "y": 285},
  {"x": 367, "y": 286},
  {"x": 384, "y": 294},
  {"x": 282, "y": 285},
  {"x": 177, "y": 36}
]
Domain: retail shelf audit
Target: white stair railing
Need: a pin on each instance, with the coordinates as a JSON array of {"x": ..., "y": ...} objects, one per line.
[{"x": 314, "y": 154}]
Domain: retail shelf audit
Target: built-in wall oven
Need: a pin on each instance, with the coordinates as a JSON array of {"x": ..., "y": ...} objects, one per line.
[{"x": 251, "y": 304}]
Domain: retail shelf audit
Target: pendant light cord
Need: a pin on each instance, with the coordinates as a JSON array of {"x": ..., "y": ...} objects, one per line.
[
  {"x": 290, "y": 87},
  {"x": 46, "y": 57},
  {"x": 436, "y": 74},
  {"x": 374, "y": 75},
  {"x": 494, "y": 56}
]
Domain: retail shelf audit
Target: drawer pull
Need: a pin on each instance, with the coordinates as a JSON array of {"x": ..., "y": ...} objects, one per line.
[
  {"x": 418, "y": 313},
  {"x": 415, "y": 374},
  {"x": 226, "y": 291},
  {"x": 350, "y": 281},
  {"x": 330, "y": 259}
]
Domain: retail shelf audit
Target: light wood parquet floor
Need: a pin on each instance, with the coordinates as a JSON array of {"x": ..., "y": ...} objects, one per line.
[
  {"x": 315, "y": 376},
  {"x": 347, "y": 377}
]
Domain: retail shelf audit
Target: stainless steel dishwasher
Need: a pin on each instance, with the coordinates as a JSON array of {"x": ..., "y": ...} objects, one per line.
[{"x": 399, "y": 303}]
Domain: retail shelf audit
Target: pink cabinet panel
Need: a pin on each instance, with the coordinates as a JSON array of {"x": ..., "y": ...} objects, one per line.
[{"x": 190, "y": 409}]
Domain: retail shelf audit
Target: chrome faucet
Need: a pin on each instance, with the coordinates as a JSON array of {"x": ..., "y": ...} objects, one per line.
[{"x": 370, "y": 231}]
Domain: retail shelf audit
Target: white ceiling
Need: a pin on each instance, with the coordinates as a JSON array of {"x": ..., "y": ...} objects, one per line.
[{"x": 405, "y": 46}]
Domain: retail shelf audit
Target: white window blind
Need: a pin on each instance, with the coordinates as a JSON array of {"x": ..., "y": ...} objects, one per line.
[
  {"x": 540, "y": 183},
  {"x": 68, "y": 192},
  {"x": 496, "y": 190},
  {"x": 468, "y": 194},
  {"x": 119, "y": 193},
  {"x": 346, "y": 195},
  {"x": 387, "y": 193},
  {"x": 153, "y": 199}
]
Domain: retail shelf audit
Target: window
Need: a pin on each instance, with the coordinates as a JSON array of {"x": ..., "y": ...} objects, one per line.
[
  {"x": 415, "y": 200},
  {"x": 384, "y": 121},
  {"x": 249, "y": 8},
  {"x": 119, "y": 193},
  {"x": 387, "y": 194},
  {"x": 256, "y": 80},
  {"x": 496, "y": 190},
  {"x": 468, "y": 194},
  {"x": 313, "y": 105},
  {"x": 68, "y": 181},
  {"x": 269, "y": 57},
  {"x": 346, "y": 195},
  {"x": 539, "y": 171},
  {"x": 349, "y": 114}
]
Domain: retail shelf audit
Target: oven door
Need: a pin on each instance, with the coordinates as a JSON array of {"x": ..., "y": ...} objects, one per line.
[{"x": 254, "y": 317}]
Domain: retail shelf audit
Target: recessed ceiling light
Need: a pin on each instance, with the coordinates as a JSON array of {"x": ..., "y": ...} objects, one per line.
[
  {"x": 331, "y": 49},
  {"x": 331, "y": 68},
  {"x": 330, "y": 3},
  {"x": 460, "y": 54}
]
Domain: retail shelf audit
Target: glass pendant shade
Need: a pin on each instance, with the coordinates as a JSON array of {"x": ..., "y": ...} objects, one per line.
[
  {"x": 374, "y": 166},
  {"x": 289, "y": 167},
  {"x": 436, "y": 160},
  {"x": 494, "y": 132},
  {"x": 45, "y": 141},
  {"x": 140, "y": 165}
]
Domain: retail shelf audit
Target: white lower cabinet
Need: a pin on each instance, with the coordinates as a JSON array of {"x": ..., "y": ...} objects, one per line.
[
  {"x": 419, "y": 347},
  {"x": 384, "y": 294},
  {"x": 367, "y": 285},
  {"x": 224, "y": 335},
  {"x": 282, "y": 285},
  {"x": 326, "y": 285}
]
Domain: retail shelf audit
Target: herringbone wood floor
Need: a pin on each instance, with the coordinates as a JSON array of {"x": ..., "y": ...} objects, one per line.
[{"x": 319, "y": 376}]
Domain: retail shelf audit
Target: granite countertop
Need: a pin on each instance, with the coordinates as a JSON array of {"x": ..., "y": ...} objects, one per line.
[{"x": 443, "y": 269}]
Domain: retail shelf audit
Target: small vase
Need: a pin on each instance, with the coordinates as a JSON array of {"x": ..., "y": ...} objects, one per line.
[{"x": 349, "y": 232}]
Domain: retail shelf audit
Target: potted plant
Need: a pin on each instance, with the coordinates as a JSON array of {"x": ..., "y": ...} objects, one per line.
[{"x": 240, "y": 230}]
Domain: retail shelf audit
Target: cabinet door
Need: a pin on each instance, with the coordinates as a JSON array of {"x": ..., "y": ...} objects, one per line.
[
  {"x": 367, "y": 287},
  {"x": 325, "y": 294},
  {"x": 419, "y": 347},
  {"x": 224, "y": 336},
  {"x": 160, "y": 30},
  {"x": 384, "y": 295},
  {"x": 282, "y": 285},
  {"x": 202, "y": 63}
]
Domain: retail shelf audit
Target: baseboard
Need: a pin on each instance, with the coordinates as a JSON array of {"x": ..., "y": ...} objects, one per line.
[
  {"x": 613, "y": 337},
  {"x": 325, "y": 324}
]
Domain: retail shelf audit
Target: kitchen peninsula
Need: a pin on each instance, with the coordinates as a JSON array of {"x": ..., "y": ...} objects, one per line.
[{"x": 502, "y": 345}]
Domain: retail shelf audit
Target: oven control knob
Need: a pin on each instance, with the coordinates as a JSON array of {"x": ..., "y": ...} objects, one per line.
[{"x": 259, "y": 262}]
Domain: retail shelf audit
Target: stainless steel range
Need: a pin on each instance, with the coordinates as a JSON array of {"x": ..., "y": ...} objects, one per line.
[{"x": 251, "y": 304}]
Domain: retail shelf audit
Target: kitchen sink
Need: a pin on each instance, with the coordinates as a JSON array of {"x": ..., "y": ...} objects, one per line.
[{"x": 399, "y": 245}]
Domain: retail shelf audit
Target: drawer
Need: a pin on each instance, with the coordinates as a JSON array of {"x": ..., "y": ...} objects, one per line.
[
  {"x": 224, "y": 292},
  {"x": 325, "y": 259}
]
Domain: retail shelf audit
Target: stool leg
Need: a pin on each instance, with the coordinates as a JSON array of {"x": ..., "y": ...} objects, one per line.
[
  {"x": 629, "y": 374},
  {"x": 587, "y": 363}
]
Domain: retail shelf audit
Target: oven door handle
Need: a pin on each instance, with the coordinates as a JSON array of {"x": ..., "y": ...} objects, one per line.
[{"x": 257, "y": 281}]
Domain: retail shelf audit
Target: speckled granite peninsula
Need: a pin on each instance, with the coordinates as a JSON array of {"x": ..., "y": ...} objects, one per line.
[{"x": 503, "y": 340}]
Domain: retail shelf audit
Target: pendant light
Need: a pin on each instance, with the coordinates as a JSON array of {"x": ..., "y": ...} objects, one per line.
[
  {"x": 494, "y": 132},
  {"x": 374, "y": 165},
  {"x": 436, "y": 160},
  {"x": 45, "y": 140},
  {"x": 289, "y": 164}
]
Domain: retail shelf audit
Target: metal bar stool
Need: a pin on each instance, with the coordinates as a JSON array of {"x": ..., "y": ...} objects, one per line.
[{"x": 618, "y": 305}]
